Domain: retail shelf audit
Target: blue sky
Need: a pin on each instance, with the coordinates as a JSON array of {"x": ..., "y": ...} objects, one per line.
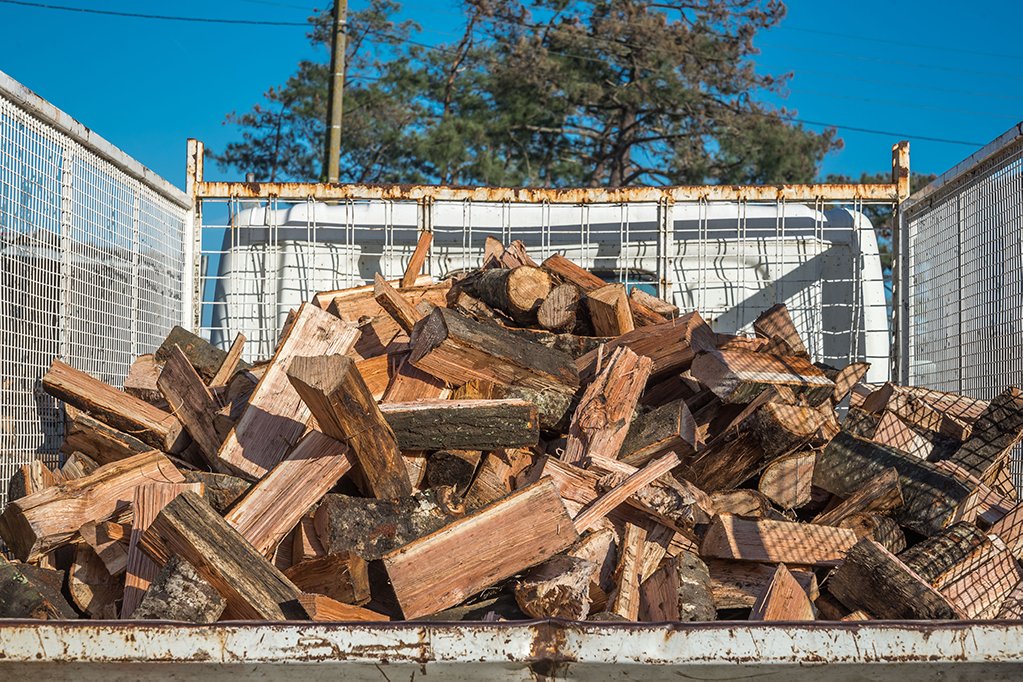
[{"x": 930, "y": 70}]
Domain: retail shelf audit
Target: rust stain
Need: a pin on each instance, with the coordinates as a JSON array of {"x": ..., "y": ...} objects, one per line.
[{"x": 547, "y": 658}]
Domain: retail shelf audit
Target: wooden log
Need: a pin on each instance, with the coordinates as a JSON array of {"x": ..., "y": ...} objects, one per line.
[
  {"x": 784, "y": 599},
  {"x": 882, "y": 529},
  {"x": 1010, "y": 529},
  {"x": 610, "y": 311},
  {"x": 231, "y": 362},
  {"x": 206, "y": 358},
  {"x": 598, "y": 547},
  {"x": 454, "y": 468},
  {"x": 741, "y": 502},
  {"x": 587, "y": 282},
  {"x": 109, "y": 541},
  {"x": 994, "y": 433},
  {"x": 456, "y": 349},
  {"x": 943, "y": 551},
  {"x": 775, "y": 323},
  {"x": 965, "y": 409},
  {"x": 252, "y": 587},
  {"x": 914, "y": 411},
  {"x": 557, "y": 588},
  {"x": 191, "y": 402},
  {"x": 395, "y": 304},
  {"x": 372, "y": 528},
  {"x": 623, "y": 491},
  {"x": 305, "y": 542},
  {"x": 496, "y": 476},
  {"x": 599, "y": 425},
  {"x": 276, "y": 416},
  {"x": 881, "y": 493},
  {"x": 658, "y": 595},
  {"x": 28, "y": 479},
  {"x": 219, "y": 490},
  {"x": 462, "y": 424},
  {"x": 670, "y": 428},
  {"x": 895, "y": 433},
  {"x": 676, "y": 503},
  {"x": 409, "y": 383},
  {"x": 739, "y": 377},
  {"x": 114, "y": 408},
  {"x": 738, "y": 584},
  {"x": 141, "y": 382},
  {"x": 78, "y": 465},
  {"x": 149, "y": 499},
  {"x": 846, "y": 378},
  {"x": 51, "y": 518},
  {"x": 100, "y": 442},
  {"x": 355, "y": 302},
  {"x": 342, "y": 576},
  {"x": 416, "y": 261},
  {"x": 695, "y": 597},
  {"x": 627, "y": 573},
  {"x": 931, "y": 496},
  {"x": 272, "y": 507},
  {"x": 874, "y": 580},
  {"x": 560, "y": 309},
  {"x": 518, "y": 291},
  {"x": 978, "y": 586},
  {"x": 92, "y": 588},
  {"x": 336, "y": 394},
  {"x": 669, "y": 344},
  {"x": 322, "y": 608},
  {"x": 732, "y": 537},
  {"x": 480, "y": 550},
  {"x": 786, "y": 481},
  {"x": 179, "y": 593},
  {"x": 655, "y": 304},
  {"x": 26, "y": 595},
  {"x": 554, "y": 409}
]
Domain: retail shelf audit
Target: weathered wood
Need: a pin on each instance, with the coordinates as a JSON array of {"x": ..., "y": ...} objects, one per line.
[
  {"x": 931, "y": 496},
  {"x": 252, "y": 587},
  {"x": 272, "y": 507},
  {"x": 675, "y": 502},
  {"x": 454, "y": 468},
  {"x": 396, "y": 305},
  {"x": 942, "y": 551},
  {"x": 219, "y": 490},
  {"x": 179, "y": 593},
  {"x": 881, "y": 493},
  {"x": 598, "y": 547},
  {"x": 741, "y": 502},
  {"x": 994, "y": 433},
  {"x": 1010, "y": 529},
  {"x": 895, "y": 433},
  {"x": 51, "y": 518},
  {"x": 355, "y": 302},
  {"x": 110, "y": 543},
  {"x": 305, "y": 542},
  {"x": 1012, "y": 605},
  {"x": 24, "y": 596},
  {"x": 191, "y": 402},
  {"x": 658, "y": 595},
  {"x": 620, "y": 493},
  {"x": 553, "y": 407},
  {"x": 475, "y": 552},
  {"x": 100, "y": 442},
  {"x": 739, "y": 377},
  {"x": 517, "y": 291},
  {"x": 775, "y": 323},
  {"x": 342, "y": 576},
  {"x": 846, "y": 378},
  {"x": 557, "y": 588},
  {"x": 336, "y": 394},
  {"x": 29, "y": 478},
  {"x": 276, "y": 417},
  {"x": 965, "y": 409},
  {"x": 669, "y": 344},
  {"x": 114, "y": 408},
  {"x": 881, "y": 529},
  {"x": 92, "y": 588},
  {"x": 322, "y": 608},
  {"x": 462, "y": 424},
  {"x": 231, "y": 362},
  {"x": 206, "y": 358},
  {"x": 600, "y": 423},
  {"x": 670, "y": 428},
  {"x": 738, "y": 584},
  {"x": 655, "y": 304},
  {"x": 78, "y": 465},
  {"x": 141, "y": 381},
  {"x": 732, "y": 537},
  {"x": 610, "y": 311},
  {"x": 496, "y": 476},
  {"x": 787, "y": 480},
  {"x": 372, "y": 528},
  {"x": 456, "y": 349},
  {"x": 627, "y": 573},
  {"x": 784, "y": 599},
  {"x": 874, "y": 580},
  {"x": 560, "y": 309},
  {"x": 978, "y": 585},
  {"x": 416, "y": 261}
]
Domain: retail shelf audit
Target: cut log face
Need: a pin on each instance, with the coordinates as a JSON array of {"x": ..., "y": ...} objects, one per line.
[
  {"x": 787, "y": 481},
  {"x": 741, "y": 502},
  {"x": 517, "y": 292},
  {"x": 731, "y": 537},
  {"x": 557, "y": 588},
  {"x": 454, "y": 468},
  {"x": 462, "y": 424},
  {"x": 560, "y": 309},
  {"x": 442, "y": 569},
  {"x": 659, "y": 306},
  {"x": 342, "y": 576},
  {"x": 784, "y": 599},
  {"x": 776, "y": 323},
  {"x": 739, "y": 377}
]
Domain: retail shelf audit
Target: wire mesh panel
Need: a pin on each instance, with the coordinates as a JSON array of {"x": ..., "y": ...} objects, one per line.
[{"x": 91, "y": 270}]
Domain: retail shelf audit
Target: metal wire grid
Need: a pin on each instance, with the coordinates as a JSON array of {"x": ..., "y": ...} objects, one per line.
[
  {"x": 729, "y": 261},
  {"x": 91, "y": 262}
]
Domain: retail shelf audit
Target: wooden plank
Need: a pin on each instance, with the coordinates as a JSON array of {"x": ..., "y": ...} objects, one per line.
[
  {"x": 272, "y": 507},
  {"x": 440, "y": 570},
  {"x": 599, "y": 425},
  {"x": 230, "y": 364},
  {"x": 617, "y": 495},
  {"x": 337, "y": 396},
  {"x": 462, "y": 424},
  {"x": 784, "y": 599},
  {"x": 115, "y": 408},
  {"x": 415, "y": 263},
  {"x": 252, "y": 587},
  {"x": 276, "y": 417},
  {"x": 630, "y": 556},
  {"x": 879, "y": 494},
  {"x": 732, "y": 537},
  {"x": 739, "y": 376},
  {"x": 51, "y": 518}
]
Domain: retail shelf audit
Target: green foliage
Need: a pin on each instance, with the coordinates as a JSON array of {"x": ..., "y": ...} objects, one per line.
[{"x": 542, "y": 93}]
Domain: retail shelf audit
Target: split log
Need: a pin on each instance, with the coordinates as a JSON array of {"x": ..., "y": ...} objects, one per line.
[
  {"x": 179, "y": 593},
  {"x": 454, "y": 468},
  {"x": 206, "y": 358},
  {"x": 322, "y": 608},
  {"x": 29, "y": 478},
  {"x": 219, "y": 490},
  {"x": 114, "y": 408},
  {"x": 78, "y": 465},
  {"x": 675, "y": 502},
  {"x": 276, "y": 416},
  {"x": 109, "y": 541},
  {"x": 396, "y": 305},
  {"x": 610, "y": 311},
  {"x": 600, "y": 548},
  {"x": 786, "y": 481},
  {"x": 553, "y": 407},
  {"x": 669, "y": 344},
  {"x": 943, "y": 551},
  {"x": 994, "y": 433},
  {"x": 587, "y": 282},
  {"x": 515, "y": 255},
  {"x": 874, "y": 580},
  {"x": 306, "y": 543},
  {"x": 881, "y": 493},
  {"x": 252, "y": 587},
  {"x": 1010, "y": 529},
  {"x": 1012, "y": 606},
  {"x": 914, "y": 411},
  {"x": 231, "y": 362},
  {"x": 741, "y": 502},
  {"x": 343, "y": 576},
  {"x": 599, "y": 425},
  {"x": 895, "y": 433},
  {"x": 739, "y": 377},
  {"x": 372, "y": 528},
  {"x": 560, "y": 309},
  {"x": 409, "y": 384},
  {"x": 92, "y": 588},
  {"x": 496, "y": 477},
  {"x": 881, "y": 529},
  {"x": 784, "y": 599},
  {"x": 51, "y": 518},
  {"x": 775, "y": 323},
  {"x": 336, "y": 394},
  {"x": 977, "y": 586},
  {"x": 670, "y": 428},
  {"x": 557, "y": 588},
  {"x": 658, "y": 595},
  {"x": 627, "y": 573},
  {"x": 456, "y": 349},
  {"x": 475, "y": 552},
  {"x": 357, "y": 302},
  {"x": 732, "y": 537},
  {"x": 23, "y": 596},
  {"x": 620, "y": 493},
  {"x": 272, "y": 507},
  {"x": 462, "y": 424},
  {"x": 655, "y": 304},
  {"x": 416, "y": 261},
  {"x": 738, "y": 584},
  {"x": 100, "y": 442},
  {"x": 931, "y": 497},
  {"x": 141, "y": 382},
  {"x": 847, "y": 378},
  {"x": 677, "y": 387},
  {"x": 517, "y": 291},
  {"x": 965, "y": 409}
]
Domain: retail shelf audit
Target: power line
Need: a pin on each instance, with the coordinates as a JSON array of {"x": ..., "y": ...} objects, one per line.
[
  {"x": 899, "y": 42},
  {"x": 902, "y": 104},
  {"x": 156, "y": 16},
  {"x": 279, "y": 4},
  {"x": 878, "y": 132}
]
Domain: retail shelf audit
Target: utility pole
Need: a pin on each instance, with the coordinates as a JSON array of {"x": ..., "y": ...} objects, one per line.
[{"x": 332, "y": 148}]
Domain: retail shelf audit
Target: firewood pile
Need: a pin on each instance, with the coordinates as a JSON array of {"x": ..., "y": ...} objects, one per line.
[{"x": 520, "y": 441}]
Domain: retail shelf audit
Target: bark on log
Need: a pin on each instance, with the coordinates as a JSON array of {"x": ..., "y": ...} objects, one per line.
[
  {"x": 881, "y": 493},
  {"x": 204, "y": 356},
  {"x": 554, "y": 409},
  {"x": 23, "y": 597},
  {"x": 518, "y": 291},
  {"x": 462, "y": 424},
  {"x": 881, "y": 529},
  {"x": 179, "y": 593},
  {"x": 941, "y": 552},
  {"x": 670, "y": 428}
]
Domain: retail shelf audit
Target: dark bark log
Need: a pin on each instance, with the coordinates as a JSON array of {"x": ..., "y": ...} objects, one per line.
[
  {"x": 179, "y": 593},
  {"x": 940, "y": 552},
  {"x": 205, "y": 357},
  {"x": 463, "y": 424}
]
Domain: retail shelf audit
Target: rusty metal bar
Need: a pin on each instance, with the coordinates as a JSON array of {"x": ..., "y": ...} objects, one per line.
[{"x": 900, "y": 268}]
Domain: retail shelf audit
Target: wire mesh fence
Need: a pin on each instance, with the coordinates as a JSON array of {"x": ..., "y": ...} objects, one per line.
[{"x": 92, "y": 262}]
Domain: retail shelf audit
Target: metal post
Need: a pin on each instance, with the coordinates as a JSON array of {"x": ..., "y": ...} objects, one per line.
[
  {"x": 332, "y": 150},
  {"x": 192, "y": 286},
  {"x": 900, "y": 267}
]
